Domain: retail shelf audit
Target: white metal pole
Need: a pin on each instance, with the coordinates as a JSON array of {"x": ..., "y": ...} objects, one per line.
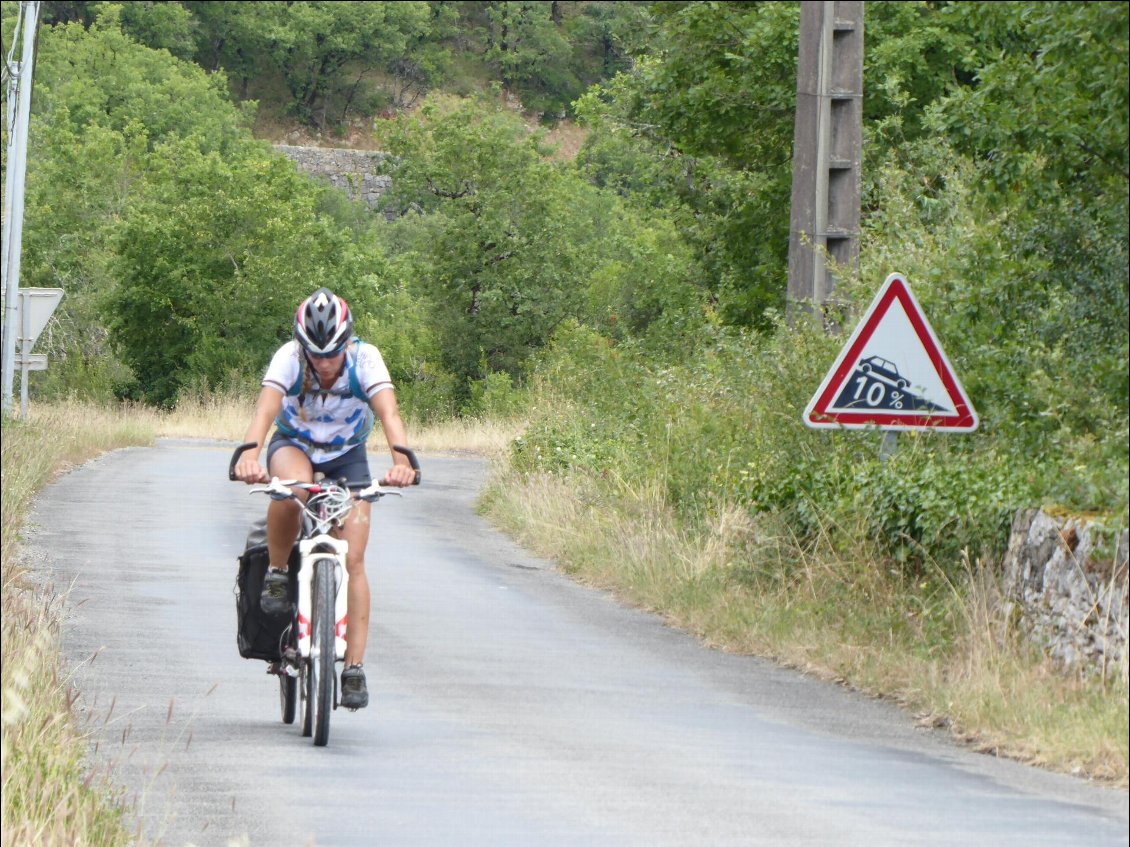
[
  {"x": 18, "y": 150},
  {"x": 9, "y": 166},
  {"x": 25, "y": 351},
  {"x": 12, "y": 70}
]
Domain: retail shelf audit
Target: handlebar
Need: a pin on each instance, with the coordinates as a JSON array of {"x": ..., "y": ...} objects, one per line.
[
  {"x": 239, "y": 451},
  {"x": 411, "y": 460},
  {"x": 283, "y": 489},
  {"x": 242, "y": 448}
]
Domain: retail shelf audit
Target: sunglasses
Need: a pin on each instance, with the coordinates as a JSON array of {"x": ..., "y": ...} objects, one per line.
[{"x": 324, "y": 355}]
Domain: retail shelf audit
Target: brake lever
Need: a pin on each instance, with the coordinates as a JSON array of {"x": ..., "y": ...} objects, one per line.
[
  {"x": 276, "y": 490},
  {"x": 375, "y": 492}
]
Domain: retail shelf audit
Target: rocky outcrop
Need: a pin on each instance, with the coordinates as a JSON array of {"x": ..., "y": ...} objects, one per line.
[
  {"x": 1065, "y": 579},
  {"x": 350, "y": 170}
]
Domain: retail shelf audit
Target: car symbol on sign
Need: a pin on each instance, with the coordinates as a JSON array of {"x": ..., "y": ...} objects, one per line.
[{"x": 884, "y": 370}]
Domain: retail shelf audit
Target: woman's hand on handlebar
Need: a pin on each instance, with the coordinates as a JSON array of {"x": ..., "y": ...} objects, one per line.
[
  {"x": 248, "y": 470},
  {"x": 399, "y": 476}
]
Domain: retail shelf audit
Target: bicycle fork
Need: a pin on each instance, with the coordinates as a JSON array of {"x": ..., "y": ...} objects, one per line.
[{"x": 337, "y": 552}]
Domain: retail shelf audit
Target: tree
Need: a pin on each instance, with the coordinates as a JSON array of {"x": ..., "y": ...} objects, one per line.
[
  {"x": 511, "y": 244},
  {"x": 212, "y": 260},
  {"x": 102, "y": 102},
  {"x": 312, "y": 43},
  {"x": 160, "y": 25},
  {"x": 1050, "y": 96}
]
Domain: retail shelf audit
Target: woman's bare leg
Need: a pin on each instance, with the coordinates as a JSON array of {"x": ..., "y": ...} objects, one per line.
[
  {"x": 284, "y": 516},
  {"x": 356, "y": 532}
]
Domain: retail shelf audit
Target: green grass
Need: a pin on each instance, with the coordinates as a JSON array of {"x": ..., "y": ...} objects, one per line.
[{"x": 939, "y": 646}]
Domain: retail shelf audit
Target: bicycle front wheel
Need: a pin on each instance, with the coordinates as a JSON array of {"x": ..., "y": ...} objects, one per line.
[
  {"x": 320, "y": 690},
  {"x": 288, "y": 697}
]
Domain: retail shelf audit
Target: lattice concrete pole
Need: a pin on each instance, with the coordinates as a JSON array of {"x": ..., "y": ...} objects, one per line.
[{"x": 827, "y": 148}]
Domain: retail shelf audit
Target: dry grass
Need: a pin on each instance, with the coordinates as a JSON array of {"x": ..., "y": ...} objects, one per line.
[
  {"x": 49, "y": 795},
  {"x": 566, "y": 138},
  {"x": 946, "y": 654},
  {"x": 225, "y": 417},
  {"x": 487, "y": 438}
]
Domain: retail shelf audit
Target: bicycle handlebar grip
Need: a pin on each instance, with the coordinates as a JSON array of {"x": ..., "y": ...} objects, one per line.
[
  {"x": 412, "y": 460},
  {"x": 239, "y": 451}
]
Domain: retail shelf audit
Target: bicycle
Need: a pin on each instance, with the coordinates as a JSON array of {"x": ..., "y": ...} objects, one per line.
[{"x": 313, "y": 640}]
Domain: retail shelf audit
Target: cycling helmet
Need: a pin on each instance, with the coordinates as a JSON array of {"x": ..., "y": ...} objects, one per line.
[{"x": 323, "y": 325}]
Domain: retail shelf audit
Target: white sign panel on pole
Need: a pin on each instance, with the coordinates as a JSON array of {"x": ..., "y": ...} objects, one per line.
[
  {"x": 892, "y": 373},
  {"x": 32, "y": 362},
  {"x": 36, "y": 307}
]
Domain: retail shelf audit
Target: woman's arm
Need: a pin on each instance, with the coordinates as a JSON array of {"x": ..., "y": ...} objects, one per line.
[
  {"x": 266, "y": 410},
  {"x": 385, "y": 406}
]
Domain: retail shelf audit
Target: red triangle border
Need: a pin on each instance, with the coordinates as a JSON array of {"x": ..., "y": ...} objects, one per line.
[{"x": 963, "y": 418}]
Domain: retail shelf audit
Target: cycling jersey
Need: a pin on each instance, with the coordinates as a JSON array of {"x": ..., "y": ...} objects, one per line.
[{"x": 327, "y": 422}]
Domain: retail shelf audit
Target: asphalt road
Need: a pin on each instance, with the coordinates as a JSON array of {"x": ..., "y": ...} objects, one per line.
[{"x": 510, "y": 706}]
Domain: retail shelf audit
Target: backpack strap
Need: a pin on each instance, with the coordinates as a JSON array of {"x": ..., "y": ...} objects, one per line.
[
  {"x": 355, "y": 387},
  {"x": 356, "y": 390}
]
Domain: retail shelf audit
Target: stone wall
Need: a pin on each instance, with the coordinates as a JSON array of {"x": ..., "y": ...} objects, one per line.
[
  {"x": 350, "y": 170},
  {"x": 1066, "y": 581}
]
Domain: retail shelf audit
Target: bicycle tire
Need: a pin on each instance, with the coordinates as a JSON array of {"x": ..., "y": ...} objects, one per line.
[
  {"x": 322, "y": 651},
  {"x": 305, "y": 680},
  {"x": 288, "y": 697}
]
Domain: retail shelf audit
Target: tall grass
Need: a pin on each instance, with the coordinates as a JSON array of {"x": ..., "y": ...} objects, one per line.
[
  {"x": 226, "y": 416},
  {"x": 50, "y": 796},
  {"x": 939, "y": 645}
]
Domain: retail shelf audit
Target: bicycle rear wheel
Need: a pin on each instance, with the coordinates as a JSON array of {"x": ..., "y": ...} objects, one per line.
[{"x": 320, "y": 685}]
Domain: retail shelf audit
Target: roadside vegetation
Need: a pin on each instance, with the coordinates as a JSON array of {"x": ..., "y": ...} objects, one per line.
[
  {"x": 51, "y": 796},
  {"x": 587, "y": 233},
  {"x": 51, "y": 793}
]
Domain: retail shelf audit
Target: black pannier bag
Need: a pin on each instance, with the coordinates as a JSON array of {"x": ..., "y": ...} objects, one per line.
[{"x": 259, "y": 635}]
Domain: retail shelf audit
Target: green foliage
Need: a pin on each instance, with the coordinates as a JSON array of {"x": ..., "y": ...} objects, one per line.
[
  {"x": 508, "y": 245},
  {"x": 994, "y": 178},
  {"x": 101, "y": 103},
  {"x": 495, "y": 397},
  {"x": 702, "y": 127},
  {"x": 102, "y": 77},
  {"x": 724, "y": 425},
  {"x": 213, "y": 258},
  {"x": 1050, "y": 100},
  {"x": 1027, "y": 287},
  {"x": 160, "y": 25},
  {"x": 312, "y": 43}
]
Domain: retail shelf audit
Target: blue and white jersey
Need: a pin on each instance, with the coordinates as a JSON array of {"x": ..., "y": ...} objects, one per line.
[{"x": 328, "y": 422}]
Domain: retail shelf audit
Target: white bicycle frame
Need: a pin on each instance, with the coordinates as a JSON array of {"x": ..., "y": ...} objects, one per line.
[
  {"x": 321, "y": 545},
  {"x": 306, "y": 549},
  {"x": 302, "y": 666}
]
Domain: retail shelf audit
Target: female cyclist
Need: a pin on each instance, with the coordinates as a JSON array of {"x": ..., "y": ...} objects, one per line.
[{"x": 321, "y": 392}]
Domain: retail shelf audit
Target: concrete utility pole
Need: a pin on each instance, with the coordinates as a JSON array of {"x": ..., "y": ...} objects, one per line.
[
  {"x": 827, "y": 148},
  {"x": 19, "y": 112}
]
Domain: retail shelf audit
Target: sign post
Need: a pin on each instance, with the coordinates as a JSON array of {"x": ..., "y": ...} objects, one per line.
[
  {"x": 19, "y": 107},
  {"x": 892, "y": 374},
  {"x": 35, "y": 307}
]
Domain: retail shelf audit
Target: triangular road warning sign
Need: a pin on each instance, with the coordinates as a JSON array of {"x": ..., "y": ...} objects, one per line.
[{"x": 892, "y": 373}]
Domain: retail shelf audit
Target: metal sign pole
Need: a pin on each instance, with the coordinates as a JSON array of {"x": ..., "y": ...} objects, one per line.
[
  {"x": 888, "y": 445},
  {"x": 25, "y": 353},
  {"x": 17, "y": 152}
]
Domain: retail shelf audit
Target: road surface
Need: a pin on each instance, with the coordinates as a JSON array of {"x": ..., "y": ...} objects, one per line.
[{"x": 509, "y": 706}]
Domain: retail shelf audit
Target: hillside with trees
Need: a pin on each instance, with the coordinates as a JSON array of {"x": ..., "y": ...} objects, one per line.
[{"x": 627, "y": 303}]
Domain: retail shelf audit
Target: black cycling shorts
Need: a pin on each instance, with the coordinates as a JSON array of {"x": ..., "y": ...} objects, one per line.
[{"x": 352, "y": 466}]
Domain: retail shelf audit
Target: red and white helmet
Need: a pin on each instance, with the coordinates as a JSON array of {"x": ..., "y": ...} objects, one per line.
[{"x": 323, "y": 325}]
